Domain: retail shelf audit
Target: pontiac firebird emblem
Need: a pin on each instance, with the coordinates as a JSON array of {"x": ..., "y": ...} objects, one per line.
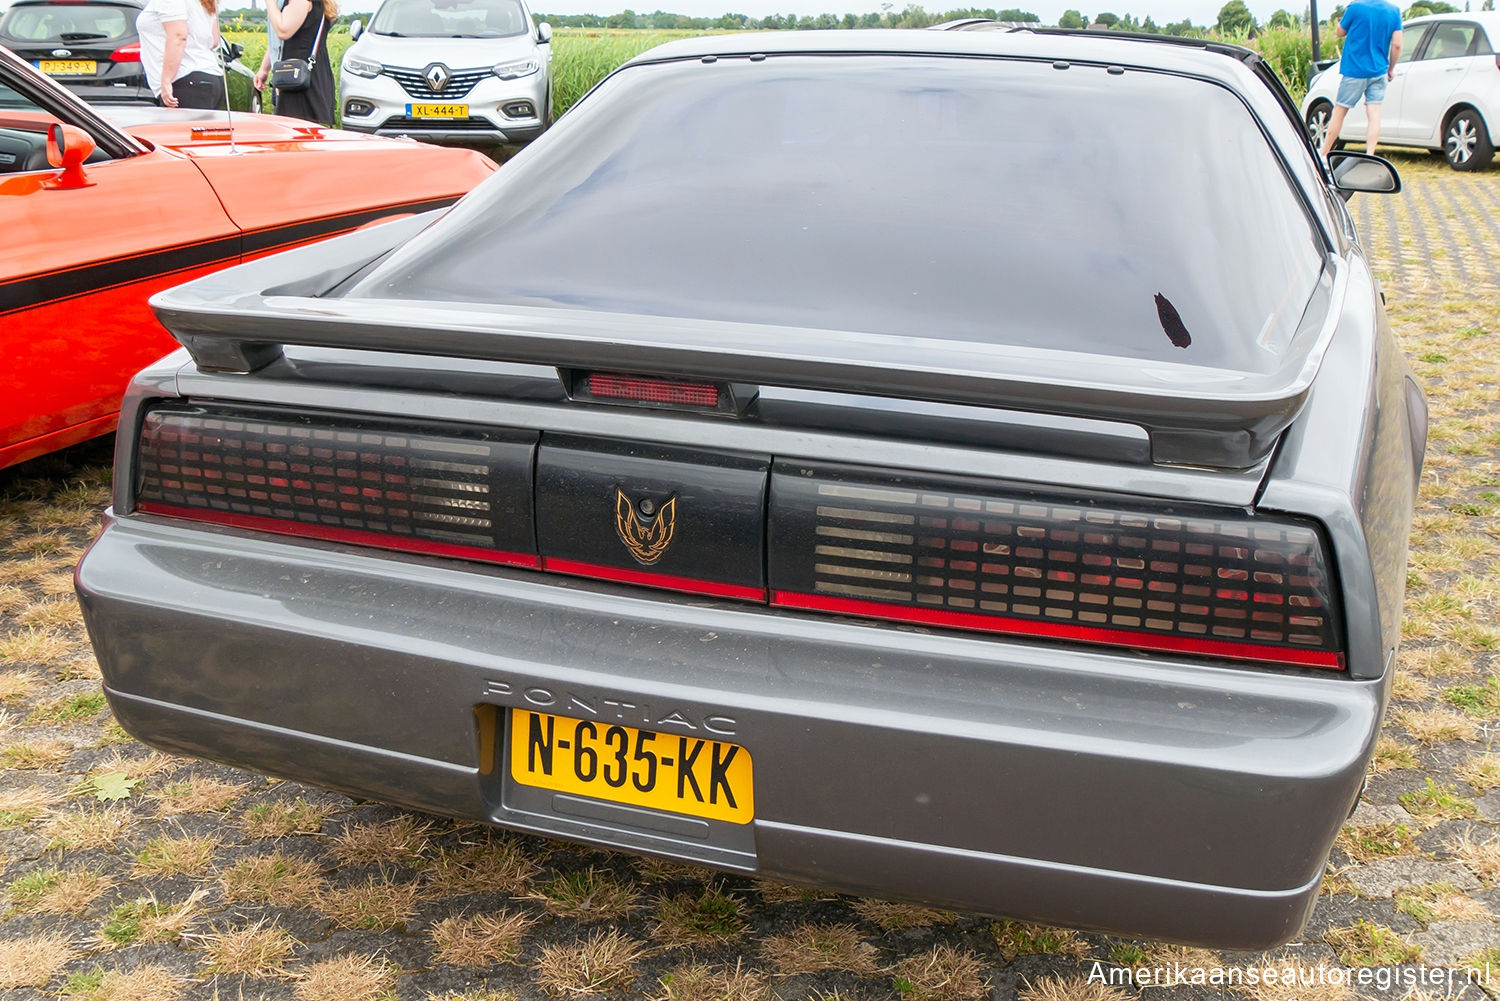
[
  {"x": 437, "y": 77},
  {"x": 647, "y": 541}
]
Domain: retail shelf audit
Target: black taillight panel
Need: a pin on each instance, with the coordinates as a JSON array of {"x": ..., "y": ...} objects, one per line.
[
  {"x": 947, "y": 552},
  {"x": 439, "y": 489},
  {"x": 672, "y": 517},
  {"x": 967, "y": 556}
]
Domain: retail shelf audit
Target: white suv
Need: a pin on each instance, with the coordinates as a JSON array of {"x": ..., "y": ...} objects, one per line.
[
  {"x": 456, "y": 71},
  {"x": 1445, "y": 95}
]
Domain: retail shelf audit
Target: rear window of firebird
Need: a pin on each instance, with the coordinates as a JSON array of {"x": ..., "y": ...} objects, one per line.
[{"x": 995, "y": 200}]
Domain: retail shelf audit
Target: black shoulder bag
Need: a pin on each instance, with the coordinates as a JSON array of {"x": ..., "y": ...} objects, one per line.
[{"x": 296, "y": 74}]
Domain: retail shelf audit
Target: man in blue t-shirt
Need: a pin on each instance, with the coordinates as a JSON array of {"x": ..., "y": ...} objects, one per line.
[{"x": 1371, "y": 30}]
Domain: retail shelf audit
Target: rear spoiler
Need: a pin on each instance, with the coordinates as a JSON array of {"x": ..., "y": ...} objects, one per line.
[{"x": 238, "y": 320}]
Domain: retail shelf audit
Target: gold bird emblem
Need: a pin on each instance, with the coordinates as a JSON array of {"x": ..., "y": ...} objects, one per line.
[{"x": 645, "y": 540}]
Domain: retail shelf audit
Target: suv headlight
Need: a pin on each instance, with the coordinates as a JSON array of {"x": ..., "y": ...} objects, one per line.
[
  {"x": 516, "y": 68},
  {"x": 362, "y": 67}
]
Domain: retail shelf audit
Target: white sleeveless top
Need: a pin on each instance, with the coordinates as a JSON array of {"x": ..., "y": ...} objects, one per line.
[{"x": 198, "y": 56}]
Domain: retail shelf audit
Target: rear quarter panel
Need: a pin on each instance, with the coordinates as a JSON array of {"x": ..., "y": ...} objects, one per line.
[
  {"x": 1480, "y": 90},
  {"x": 76, "y": 270},
  {"x": 1352, "y": 460}
]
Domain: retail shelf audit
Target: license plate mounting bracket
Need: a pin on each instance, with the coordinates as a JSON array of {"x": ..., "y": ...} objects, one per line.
[{"x": 564, "y": 814}]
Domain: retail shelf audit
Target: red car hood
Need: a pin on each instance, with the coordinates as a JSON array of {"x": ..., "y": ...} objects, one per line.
[
  {"x": 268, "y": 170},
  {"x": 187, "y": 130}
]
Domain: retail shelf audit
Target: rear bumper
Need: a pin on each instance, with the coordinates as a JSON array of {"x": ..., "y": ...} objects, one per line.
[{"x": 1148, "y": 796}]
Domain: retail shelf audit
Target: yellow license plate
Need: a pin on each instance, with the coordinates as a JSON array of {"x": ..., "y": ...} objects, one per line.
[
  {"x": 68, "y": 67},
  {"x": 660, "y": 771},
  {"x": 437, "y": 111}
]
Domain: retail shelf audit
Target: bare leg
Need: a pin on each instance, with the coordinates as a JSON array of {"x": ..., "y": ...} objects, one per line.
[
  {"x": 1335, "y": 123},
  {"x": 1372, "y": 133}
]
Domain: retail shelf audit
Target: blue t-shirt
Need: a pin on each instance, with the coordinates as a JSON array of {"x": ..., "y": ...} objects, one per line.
[{"x": 1367, "y": 48}]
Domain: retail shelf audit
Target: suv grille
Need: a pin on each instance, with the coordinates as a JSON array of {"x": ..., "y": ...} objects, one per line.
[
  {"x": 459, "y": 84},
  {"x": 435, "y": 124}
]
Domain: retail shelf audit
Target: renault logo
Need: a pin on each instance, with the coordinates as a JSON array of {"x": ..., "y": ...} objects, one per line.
[
  {"x": 646, "y": 534},
  {"x": 437, "y": 76}
]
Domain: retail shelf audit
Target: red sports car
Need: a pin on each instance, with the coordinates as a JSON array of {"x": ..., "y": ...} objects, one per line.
[{"x": 100, "y": 212}]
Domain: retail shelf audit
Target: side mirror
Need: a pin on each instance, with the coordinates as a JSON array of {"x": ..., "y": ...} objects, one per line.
[
  {"x": 67, "y": 147},
  {"x": 355, "y": 27},
  {"x": 544, "y": 33},
  {"x": 235, "y": 50},
  {"x": 1363, "y": 172}
]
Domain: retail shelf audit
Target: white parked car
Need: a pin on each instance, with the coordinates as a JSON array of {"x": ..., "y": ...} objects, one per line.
[
  {"x": 449, "y": 71},
  {"x": 1445, "y": 94}
]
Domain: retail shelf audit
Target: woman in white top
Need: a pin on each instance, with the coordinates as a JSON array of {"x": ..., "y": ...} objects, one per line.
[{"x": 179, "y": 52}]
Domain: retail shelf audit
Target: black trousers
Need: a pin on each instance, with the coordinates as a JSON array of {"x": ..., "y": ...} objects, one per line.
[{"x": 198, "y": 90}]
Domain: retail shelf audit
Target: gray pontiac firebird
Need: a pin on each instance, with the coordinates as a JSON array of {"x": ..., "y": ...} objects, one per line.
[{"x": 964, "y": 467}]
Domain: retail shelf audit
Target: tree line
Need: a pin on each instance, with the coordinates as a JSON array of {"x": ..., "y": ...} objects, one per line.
[{"x": 1235, "y": 19}]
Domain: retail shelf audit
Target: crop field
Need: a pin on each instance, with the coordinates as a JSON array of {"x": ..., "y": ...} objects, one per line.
[
  {"x": 130, "y": 875},
  {"x": 584, "y": 56}
]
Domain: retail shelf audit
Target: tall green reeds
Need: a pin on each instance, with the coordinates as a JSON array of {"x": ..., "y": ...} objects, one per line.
[{"x": 1289, "y": 51}]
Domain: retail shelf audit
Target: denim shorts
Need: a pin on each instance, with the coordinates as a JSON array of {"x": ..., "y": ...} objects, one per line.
[{"x": 1351, "y": 88}]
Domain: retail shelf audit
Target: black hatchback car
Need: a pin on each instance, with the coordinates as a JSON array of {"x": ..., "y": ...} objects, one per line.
[{"x": 89, "y": 47}]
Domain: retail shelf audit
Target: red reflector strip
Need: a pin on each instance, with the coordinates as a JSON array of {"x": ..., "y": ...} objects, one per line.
[
  {"x": 689, "y": 584},
  {"x": 1083, "y": 634},
  {"x": 329, "y": 533},
  {"x": 646, "y": 390}
]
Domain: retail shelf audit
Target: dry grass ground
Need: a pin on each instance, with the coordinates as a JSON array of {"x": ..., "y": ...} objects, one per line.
[{"x": 199, "y": 881}]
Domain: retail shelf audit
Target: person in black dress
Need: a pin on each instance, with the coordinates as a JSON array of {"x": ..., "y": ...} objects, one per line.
[{"x": 296, "y": 24}]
